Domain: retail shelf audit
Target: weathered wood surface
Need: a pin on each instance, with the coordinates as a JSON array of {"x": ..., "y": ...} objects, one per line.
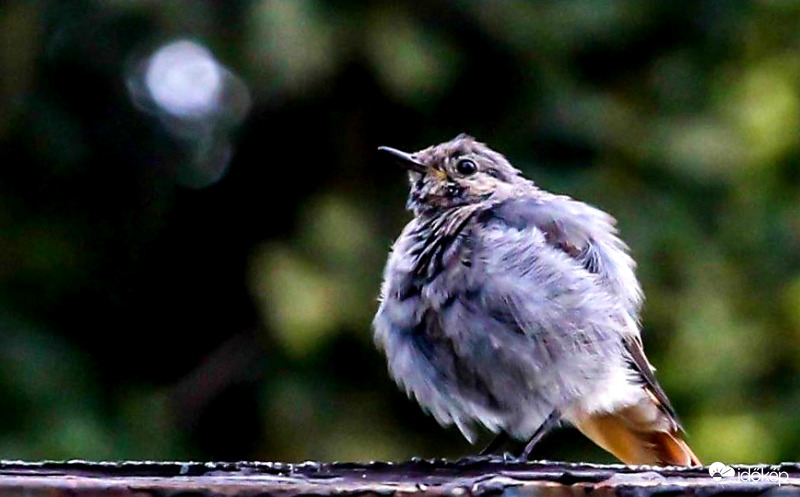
[{"x": 472, "y": 476}]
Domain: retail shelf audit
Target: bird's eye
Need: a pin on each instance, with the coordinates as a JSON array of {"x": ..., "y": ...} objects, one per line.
[{"x": 466, "y": 167}]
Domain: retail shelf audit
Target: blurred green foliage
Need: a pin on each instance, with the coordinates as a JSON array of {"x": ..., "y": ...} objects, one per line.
[{"x": 143, "y": 317}]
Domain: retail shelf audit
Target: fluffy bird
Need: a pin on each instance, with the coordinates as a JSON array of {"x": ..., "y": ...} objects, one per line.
[{"x": 513, "y": 308}]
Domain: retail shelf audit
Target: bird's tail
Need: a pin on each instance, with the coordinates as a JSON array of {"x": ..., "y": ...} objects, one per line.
[{"x": 639, "y": 434}]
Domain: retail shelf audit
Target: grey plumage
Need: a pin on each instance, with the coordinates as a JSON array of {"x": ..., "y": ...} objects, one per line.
[{"x": 502, "y": 303}]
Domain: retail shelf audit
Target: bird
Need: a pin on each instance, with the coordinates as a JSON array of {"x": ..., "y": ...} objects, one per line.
[{"x": 512, "y": 309}]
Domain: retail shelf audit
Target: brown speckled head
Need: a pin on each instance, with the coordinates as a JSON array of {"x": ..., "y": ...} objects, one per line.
[{"x": 458, "y": 172}]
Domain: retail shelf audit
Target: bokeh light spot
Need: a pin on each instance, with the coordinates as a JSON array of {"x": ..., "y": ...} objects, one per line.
[{"x": 184, "y": 79}]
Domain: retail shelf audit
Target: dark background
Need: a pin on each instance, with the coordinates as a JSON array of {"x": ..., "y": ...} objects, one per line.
[{"x": 190, "y": 256}]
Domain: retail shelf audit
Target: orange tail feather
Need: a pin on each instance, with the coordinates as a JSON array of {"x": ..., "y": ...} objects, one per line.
[{"x": 635, "y": 436}]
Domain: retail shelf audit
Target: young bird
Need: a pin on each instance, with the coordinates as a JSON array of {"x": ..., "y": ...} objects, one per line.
[{"x": 507, "y": 306}]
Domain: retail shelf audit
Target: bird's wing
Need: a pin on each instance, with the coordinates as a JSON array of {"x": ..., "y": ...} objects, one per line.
[
  {"x": 586, "y": 234},
  {"x": 588, "y": 237},
  {"x": 642, "y": 366}
]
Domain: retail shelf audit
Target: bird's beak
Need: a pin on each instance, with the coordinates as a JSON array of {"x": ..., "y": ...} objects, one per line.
[{"x": 404, "y": 159}]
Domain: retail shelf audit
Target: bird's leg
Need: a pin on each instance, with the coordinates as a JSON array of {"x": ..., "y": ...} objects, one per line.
[
  {"x": 495, "y": 444},
  {"x": 545, "y": 428}
]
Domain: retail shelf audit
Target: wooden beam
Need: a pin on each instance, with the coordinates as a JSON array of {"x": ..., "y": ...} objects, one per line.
[{"x": 470, "y": 476}]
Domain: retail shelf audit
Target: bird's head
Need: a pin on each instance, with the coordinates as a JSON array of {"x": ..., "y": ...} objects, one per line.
[{"x": 458, "y": 172}]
